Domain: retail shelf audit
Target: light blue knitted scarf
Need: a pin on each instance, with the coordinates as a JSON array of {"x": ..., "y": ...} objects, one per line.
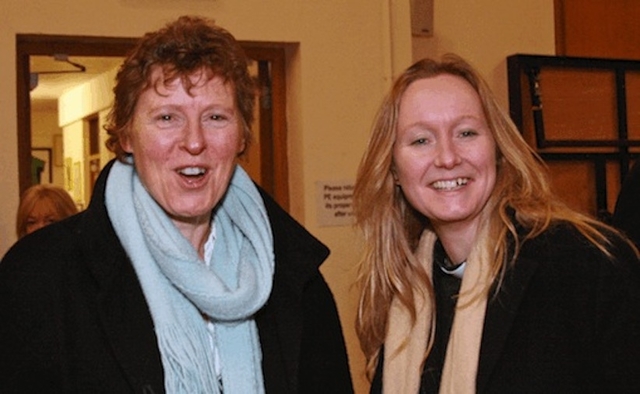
[{"x": 179, "y": 287}]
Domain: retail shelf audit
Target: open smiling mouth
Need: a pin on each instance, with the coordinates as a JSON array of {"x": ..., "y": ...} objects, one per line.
[
  {"x": 450, "y": 184},
  {"x": 193, "y": 172}
]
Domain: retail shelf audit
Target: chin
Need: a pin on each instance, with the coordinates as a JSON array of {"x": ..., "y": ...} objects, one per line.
[{"x": 190, "y": 213}]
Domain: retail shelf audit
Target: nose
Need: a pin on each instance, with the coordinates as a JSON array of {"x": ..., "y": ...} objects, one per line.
[
  {"x": 447, "y": 155},
  {"x": 194, "y": 140}
]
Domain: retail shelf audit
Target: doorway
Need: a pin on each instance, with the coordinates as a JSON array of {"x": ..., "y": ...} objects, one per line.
[{"x": 269, "y": 166}]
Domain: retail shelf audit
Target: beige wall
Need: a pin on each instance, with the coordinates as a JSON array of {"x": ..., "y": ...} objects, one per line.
[
  {"x": 485, "y": 32},
  {"x": 348, "y": 52}
]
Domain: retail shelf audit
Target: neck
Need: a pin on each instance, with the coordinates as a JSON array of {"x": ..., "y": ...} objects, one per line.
[
  {"x": 457, "y": 241},
  {"x": 195, "y": 232}
]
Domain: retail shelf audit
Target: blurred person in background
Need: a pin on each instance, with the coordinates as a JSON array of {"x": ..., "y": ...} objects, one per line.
[{"x": 41, "y": 205}]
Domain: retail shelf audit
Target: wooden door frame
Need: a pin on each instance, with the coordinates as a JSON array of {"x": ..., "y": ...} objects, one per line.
[
  {"x": 273, "y": 134},
  {"x": 273, "y": 140},
  {"x": 558, "y": 22}
]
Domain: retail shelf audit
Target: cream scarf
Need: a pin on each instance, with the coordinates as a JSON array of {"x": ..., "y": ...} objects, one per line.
[{"x": 406, "y": 344}]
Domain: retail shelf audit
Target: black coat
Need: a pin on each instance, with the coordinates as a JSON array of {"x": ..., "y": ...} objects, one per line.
[
  {"x": 566, "y": 320},
  {"x": 626, "y": 216},
  {"x": 73, "y": 318}
]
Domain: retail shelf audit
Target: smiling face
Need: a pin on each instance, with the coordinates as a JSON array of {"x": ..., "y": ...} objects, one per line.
[
  {"x": 444, "y": 154},
  {"x": 185, "y": 144}
]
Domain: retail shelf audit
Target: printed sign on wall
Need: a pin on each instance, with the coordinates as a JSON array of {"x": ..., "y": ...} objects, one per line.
[{"x": 335, "y": 203}]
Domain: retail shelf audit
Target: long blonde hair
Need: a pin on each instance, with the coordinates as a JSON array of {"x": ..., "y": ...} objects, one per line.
[{"x": 391, "y": 227}]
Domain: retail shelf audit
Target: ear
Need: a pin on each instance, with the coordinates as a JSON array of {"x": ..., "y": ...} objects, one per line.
[
  {"x": 394, "y": 175},
  {"x": 125, "y": 143},
  {"x": 242, "y": 145}
]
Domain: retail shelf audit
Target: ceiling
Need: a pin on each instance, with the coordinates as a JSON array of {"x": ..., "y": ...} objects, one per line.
[{"x": 67, "y": 75}]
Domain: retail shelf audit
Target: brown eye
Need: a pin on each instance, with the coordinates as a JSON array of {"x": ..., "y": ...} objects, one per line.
[
  {"x": 218, "y": 120},
  {"x": 468, "y": 133},
  {"x": 165, "y": 118}
]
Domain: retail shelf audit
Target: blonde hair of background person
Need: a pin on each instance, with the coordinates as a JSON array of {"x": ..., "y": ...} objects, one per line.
[
  {"x": 41, "y": 205},
  {"x": 392, "y": 228}
]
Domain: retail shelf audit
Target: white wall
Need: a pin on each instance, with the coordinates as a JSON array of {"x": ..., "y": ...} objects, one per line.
[
  {"x": 348, "y": 52},
  {"x": 86, "y": 99}
]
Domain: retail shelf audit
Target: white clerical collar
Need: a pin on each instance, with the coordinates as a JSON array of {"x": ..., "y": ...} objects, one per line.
[{"x": 458, "y": 271}]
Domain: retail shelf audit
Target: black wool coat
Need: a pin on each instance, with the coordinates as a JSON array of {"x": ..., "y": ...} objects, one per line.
[
  {"x": 565, "y": 320},
  {"x": 73, "y": 318},
  {"x": 626, "y": 215}
]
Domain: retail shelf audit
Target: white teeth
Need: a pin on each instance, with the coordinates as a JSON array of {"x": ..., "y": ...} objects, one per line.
[
  {"x": 450, "y": 184},
  {"x": 192, "y": 171}
]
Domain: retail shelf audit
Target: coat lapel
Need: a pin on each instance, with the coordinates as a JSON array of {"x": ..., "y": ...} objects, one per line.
[
  {"x": 298, "y": 256},
  {"x": 501, "y": 312},
  {"x": 121, "y": 306}
]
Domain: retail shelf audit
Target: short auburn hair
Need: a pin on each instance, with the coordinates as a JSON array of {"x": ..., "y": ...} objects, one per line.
[{"x": 181, "y": 48}]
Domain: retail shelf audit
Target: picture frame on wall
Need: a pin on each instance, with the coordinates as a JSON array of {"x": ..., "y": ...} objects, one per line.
[{"x": 41, "y": 172}]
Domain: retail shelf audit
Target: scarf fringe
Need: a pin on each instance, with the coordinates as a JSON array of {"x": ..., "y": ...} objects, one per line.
[{"x": 183, "y": 367}]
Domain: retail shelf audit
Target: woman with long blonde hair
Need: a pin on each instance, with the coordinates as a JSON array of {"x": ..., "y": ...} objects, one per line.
[{"x": 475, "y": 276}]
